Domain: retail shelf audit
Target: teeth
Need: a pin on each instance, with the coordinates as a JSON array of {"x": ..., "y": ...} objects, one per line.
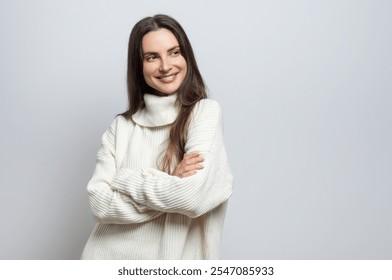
[{"x": 168, "y": 78}]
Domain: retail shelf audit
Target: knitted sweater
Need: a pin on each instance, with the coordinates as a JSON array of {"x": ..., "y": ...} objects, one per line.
[{"x": 144, "y": 213}]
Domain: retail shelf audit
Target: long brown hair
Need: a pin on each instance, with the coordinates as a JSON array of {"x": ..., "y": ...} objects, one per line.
[{"x": 190, "y": 92}]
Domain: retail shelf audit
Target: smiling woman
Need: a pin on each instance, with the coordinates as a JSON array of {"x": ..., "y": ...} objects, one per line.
[
  {"x": 162, "y": 180},
  {"x": 164, "y": 67}
]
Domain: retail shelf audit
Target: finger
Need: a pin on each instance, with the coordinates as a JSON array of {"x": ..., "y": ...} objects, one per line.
[
  {"x": 193, "y": 160},
  {"x": 188, "y": 174},
  {"x": 193, "y": 167}
]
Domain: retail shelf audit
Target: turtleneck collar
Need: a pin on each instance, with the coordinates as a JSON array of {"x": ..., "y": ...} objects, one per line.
[{"x": 158, "y": 110}]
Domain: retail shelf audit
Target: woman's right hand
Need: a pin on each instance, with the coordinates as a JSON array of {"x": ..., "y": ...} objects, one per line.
[{"x": 190, "y": 164}]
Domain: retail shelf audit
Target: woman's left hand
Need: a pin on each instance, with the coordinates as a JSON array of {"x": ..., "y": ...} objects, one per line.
[{"x": 190, "y": 164}]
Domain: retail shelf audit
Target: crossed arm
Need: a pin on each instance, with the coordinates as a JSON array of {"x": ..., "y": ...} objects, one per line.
[{"x": 125, "y": 196}]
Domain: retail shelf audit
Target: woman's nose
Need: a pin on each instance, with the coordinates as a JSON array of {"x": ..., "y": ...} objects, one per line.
[{"x": 165, "y": 65}]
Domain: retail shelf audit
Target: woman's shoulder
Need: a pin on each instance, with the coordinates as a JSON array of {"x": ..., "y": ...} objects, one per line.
[
  {"x": 120, "y": 123},
  {"x": 120, "y": 119},
  {"x": 116, "y": 121},
  {"x": 207, "y": 112},
  {"x": 207, "y": 106}
]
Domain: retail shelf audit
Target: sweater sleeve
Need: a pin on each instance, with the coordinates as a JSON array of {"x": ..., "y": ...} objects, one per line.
[
  {"x": 191, "y": 196},
  {"x": 107, "y": 205}
]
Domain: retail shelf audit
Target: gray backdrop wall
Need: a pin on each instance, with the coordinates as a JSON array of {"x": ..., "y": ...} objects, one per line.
[{"x": 306, "y": 91}]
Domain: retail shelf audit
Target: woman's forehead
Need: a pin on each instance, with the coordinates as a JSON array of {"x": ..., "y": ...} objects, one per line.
[{"x": 159, "y": 40}]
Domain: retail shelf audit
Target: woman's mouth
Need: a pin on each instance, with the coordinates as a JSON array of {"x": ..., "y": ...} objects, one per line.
[{"x": 167, "y": 78}]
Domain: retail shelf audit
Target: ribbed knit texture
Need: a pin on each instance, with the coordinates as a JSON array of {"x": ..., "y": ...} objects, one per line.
[{"x": 144, "y": 213}]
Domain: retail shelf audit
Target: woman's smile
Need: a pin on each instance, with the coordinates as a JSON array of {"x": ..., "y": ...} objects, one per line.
[{"x": 168, "y": 78}]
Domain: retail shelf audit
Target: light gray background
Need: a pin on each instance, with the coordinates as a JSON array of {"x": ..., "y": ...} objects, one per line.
[{"x": 306, "y": 91}]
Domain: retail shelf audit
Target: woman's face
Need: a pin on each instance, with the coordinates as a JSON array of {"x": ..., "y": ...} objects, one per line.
[{"x": 164, "y": 67}]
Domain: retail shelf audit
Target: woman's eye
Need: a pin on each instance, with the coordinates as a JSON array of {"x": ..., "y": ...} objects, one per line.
[
  {"x": 175, "y": 52},
  {"x": 151, "y": 57}
]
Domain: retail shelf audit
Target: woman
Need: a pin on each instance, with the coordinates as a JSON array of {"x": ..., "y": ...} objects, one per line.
[{"x": 162, "y": 180}]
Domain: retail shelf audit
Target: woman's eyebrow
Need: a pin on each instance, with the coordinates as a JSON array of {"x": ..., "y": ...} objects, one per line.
[
  {"x": 173, "y": 48},
  {"x": 149, "y": 53},
  {"x": 169, "y": 50}
]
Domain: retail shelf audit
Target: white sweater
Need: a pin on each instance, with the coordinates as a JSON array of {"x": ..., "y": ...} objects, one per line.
[{"x": 144, "y": 213}]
